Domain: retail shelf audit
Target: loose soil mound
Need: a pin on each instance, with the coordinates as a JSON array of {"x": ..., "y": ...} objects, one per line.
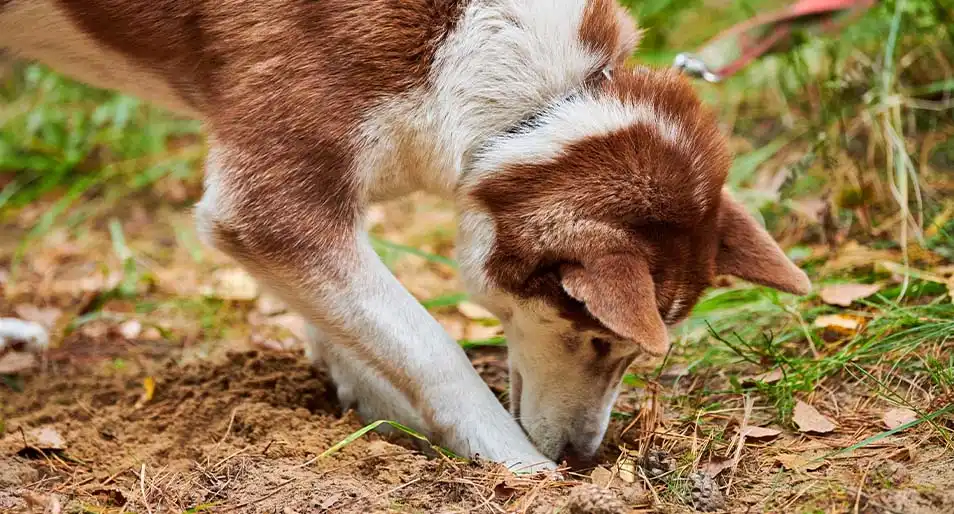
[{"x": 239, "y": 435}]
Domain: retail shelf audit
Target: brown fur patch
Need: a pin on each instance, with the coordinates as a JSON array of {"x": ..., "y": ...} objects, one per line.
[
  {"x": 608, "y": 29},
  {"x": 630, "y": 192},
  {"x": 283, "y": 85}
]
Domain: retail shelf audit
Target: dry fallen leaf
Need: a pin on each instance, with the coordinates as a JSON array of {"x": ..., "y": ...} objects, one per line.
[
  {"x": 601, "y": 476},
  {"x": 840, "y": 323},
  {"x": 845, "y": 294},
  {"x": 46, "y": 316},
  {"x": 809, "y": 419},
  {"x": 769, "y": 377},
  {"x": 269, "y": 305},
  {"x": 17, "y": 362},
  {"x": 232, "y": 284},
  {"x": 626, "y": 468},
  {"x": 894, "y": 418},
  {"x": 716, "y": 466},
  {"x": 809, "y": 461},
  {"x": 478, "y": 332},
  {"x": 473, "y": 311},
  {"x": 149, "y": 390},
  {"x": 853, "y": 255},
  {"x": 752, "y": 432}
]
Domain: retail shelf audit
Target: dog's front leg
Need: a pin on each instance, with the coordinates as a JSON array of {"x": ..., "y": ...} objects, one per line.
[{"x": 386, "y": 351}]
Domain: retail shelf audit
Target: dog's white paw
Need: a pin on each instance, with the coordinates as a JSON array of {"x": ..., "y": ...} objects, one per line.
[
  {"x": 17, "y": 331},
  {"x": 529, "y": 465}
]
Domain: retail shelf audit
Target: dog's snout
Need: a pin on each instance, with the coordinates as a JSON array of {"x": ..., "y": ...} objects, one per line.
[{"x": 577, "y": 459}]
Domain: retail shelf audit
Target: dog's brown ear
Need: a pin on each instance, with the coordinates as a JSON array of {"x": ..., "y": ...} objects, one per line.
[
  {"x": 748, "y": 251},
  {"x": 618, "y": 291}
]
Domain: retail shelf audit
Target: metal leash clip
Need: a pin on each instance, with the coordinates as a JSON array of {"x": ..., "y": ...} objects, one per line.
[{"x": 735, "y": 48}]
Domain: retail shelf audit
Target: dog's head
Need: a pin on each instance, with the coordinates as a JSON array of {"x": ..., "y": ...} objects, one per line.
[{"x": 590, "y": 230}]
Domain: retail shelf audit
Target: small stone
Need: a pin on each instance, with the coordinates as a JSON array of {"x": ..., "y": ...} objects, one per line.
[
  {"x": 593, "y": 499},
  {"x": 706, "y": 495},
  {"x": 130, "y": 329}
]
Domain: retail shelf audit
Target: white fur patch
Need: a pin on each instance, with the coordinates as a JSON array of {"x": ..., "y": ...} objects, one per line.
[
  {"x": 504, "y": 60},
  {"x": 569, "y": 122}
]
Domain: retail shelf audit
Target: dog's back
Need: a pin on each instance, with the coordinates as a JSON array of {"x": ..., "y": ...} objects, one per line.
[{"x": 78, "y": 38}]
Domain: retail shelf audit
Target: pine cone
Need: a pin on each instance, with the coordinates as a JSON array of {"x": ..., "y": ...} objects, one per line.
[
  {"x": 657, "y": 463},
  {"x": 706, "y": 495},
  {"x": 593, "y": 499}
]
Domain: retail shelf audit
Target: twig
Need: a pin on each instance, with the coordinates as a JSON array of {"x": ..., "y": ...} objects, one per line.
[
  {"x": 861, "y": 486},
  {"x": 649, "y": 486},
  {"x": 740, "y": 442},
  {"x": 229, "y": 457},
  {"x": 528, "y": 499},
  {"x": 228, "y": 430},
  {"x": 142, "y": 487}
]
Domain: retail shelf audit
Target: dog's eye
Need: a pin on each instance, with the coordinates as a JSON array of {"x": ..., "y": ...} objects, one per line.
[{"x": 601, "y": 346}]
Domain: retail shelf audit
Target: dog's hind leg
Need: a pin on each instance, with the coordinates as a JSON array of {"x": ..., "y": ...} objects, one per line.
[{"x": 388, "y": 354}]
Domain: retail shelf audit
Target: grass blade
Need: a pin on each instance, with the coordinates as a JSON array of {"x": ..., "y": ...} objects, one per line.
[
  {"x": 397, "y": 247},
  {"x": 373, "y": 426},
  {"x": 477, "y": 343}
]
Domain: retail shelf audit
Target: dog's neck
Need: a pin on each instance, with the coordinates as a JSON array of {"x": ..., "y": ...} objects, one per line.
[{"x": 500, "y": 71}]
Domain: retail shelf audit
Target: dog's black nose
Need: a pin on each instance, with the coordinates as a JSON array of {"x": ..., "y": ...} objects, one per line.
[{"x": 575, "y": 460}]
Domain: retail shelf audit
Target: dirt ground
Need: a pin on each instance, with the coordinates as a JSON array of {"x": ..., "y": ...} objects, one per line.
[{"x": 189, "y": 392}]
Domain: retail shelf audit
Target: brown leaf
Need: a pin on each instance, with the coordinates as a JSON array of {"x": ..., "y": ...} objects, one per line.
[
  {"x": 601, "y": 476},
  {"x": 473, "y": 311},
  {"x": 716, "y": 466},
  {"x": 232, "y": 284},
  {"x": 894, "y": 418},
  {"x": 845, "y": 294},
  {"x": 809, "y": 461},
  {"x": 769, "y": 377},
  {"x": 477, "y": 332},
  {"x": 840, "y": 323},
  {"x": 269, "y": 305},
  {"x": 45, "y": 316},
  {"x": 809, "y": 419},
  {"x": 17, "y": 362},
  {"x": 853, "y": 255},
  {"x": 626, "y": 469},
  {"x": 753, "y": 432}
]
